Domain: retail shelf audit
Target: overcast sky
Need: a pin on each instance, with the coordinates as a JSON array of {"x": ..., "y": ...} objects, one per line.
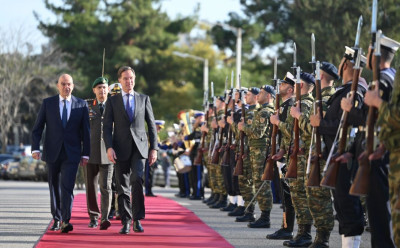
[{"x": 19, "y": 13}]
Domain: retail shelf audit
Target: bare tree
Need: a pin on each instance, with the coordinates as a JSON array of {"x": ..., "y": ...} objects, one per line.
[{"x": 25, "y": 79}]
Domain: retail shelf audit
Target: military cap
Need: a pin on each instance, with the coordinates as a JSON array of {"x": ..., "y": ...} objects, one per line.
[
  {"x": 289, "y": 79},
  {"x": 254, "y": 90},
  {"x": 100, "y": 80},
  {"x": 115, "y": 88},
  {"x": 221, "y": 98},
  {"x": 244, "y": 89},
  {"x": 330, "y": 69},
  {"x": 307, "y": 78},
  {"x": 159, "y": 123},
  {"x": 349, "y": 54},
  {"x": 269, "y": 89},
  {"x": 389, "y": 44},
  {"x": 198, "y": 114}
]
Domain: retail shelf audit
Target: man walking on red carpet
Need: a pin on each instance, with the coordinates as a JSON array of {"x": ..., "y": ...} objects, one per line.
[{"x": 128, "y": 146}]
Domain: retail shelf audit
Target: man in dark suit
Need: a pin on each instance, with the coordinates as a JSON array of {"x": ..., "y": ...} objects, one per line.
[
  {"x": 99, "y": 169},
  {"x": 67, "y": 141},
  {"x": 128, "y": 146}
]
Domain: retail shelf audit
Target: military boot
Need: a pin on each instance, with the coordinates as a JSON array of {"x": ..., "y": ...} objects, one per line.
[
  {"x": 285, "y": 233},
  {"x": 302, "y": 239},
  {"x": 248, "y": 216},
  {"x": 221, "y": 203},
  {"x": 262, "y": 222},
  {"x": 209, "y": 198},
  {"x": 229, "y": 208},
  {"x": 238, "y": 211},
  {"x": 321, "y": 240},
  {"x": 213, "y": 200}
]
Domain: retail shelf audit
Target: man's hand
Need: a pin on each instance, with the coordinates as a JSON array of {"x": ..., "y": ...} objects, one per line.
[
  {"x": 229, "y": 119},
  {"x": 295, "y": 111},
  {"x": 204, "y": 128},
  {"x": 152, "y": 157},
  {"x": 241, "y": 125},
  {"x": 315, "y": 119},
  {"x": 279, "y": 155},
  {"x": 346, "y": 103},
  {"x": 372, "y": 98},
  {"x": 36, "y": 155},
  {"x": 377, "y": 154},
  {"x": 344, "y": 158},
  {"x": 111, "y": 155},
  {"x": 214, "y": 124},
  {"x": 84, "y": 161},
  {"x": 274, "y": 119},
  {"x": 221, "y": 123}
]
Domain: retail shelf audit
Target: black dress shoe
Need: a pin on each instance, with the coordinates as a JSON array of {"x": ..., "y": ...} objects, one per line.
[
  {"x": 105, "y": 224},
  {"x": 125, "y": 229},
  {"x": 151, "y": 194},
  {"x": 93, "y": 224},
  {"x": 137, "y": 227},
  {"x": 66, "y": 227},
  {"x": 56, "y": 225},
  {"x": 195, "y": 197},
  {"x": 111, "y": 214}
]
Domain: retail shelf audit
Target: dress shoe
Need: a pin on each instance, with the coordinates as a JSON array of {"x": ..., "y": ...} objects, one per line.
[
  {"x": 105, "y": 224},
  {"x": 93, "y": 224},
  {"x": 56, "y": 225},
  {"x": 151, "y": 195},
  {"x": 111, "y": 214},
  {"x": 195, "y": 197},
  {"x": 125, "y": 229},
  {"x": 137, "y": 227},
  {"x": 66, "y": 227},
  {"x": 180, "y": 195}
]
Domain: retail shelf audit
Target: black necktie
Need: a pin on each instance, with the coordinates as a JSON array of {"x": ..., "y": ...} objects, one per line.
[
  {"x": 64, "y": 114},
  {"x": 101, "y": 106}
]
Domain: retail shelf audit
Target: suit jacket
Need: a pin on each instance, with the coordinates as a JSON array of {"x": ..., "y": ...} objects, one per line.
[
  {"x": 75, "y": 136},
  {"x": 98, "y": 153},
  {"x": 121, "y": 141}
]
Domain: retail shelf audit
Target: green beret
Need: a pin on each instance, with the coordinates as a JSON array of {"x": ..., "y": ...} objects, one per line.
[{"x": 100, "y": 80}]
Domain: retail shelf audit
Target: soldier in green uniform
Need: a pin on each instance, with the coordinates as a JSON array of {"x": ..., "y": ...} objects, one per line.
[
  {"x": 297, "y": 186},
  {"x": 257, "y": 128},
  {"x": 318, "y": 198}
]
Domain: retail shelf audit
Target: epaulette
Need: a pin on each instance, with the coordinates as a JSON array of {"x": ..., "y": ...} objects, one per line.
[{"x": 91, "y": 102}]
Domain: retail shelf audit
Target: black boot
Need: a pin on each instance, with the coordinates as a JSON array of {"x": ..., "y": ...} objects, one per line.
[
  {"x": 302, "y": 239},
  {"x": 262, "y": 222},
  {"x": 286, "y": 231},
  {"x": 209, "y": 198},
  {"x": 238, "y": 211},
  {"x": 229, "y": 208},
  {"x": 213, "y": 200},
  {"x": 321, "y": 240},
  {"x": 248, "y": 216},
  {"x": 221, "y": 203}
]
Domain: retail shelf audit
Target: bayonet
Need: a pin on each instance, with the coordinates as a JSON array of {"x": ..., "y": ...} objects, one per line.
[
  {"x": 294, "y": 55},
  {"x": 275, "y": 67},
  {"x": 313, "y": 53},
  {"x": 374, "y": 15},
  {"x": 359, "y": 26},
  {"x": 104, "y": 55},
  {"x": 226, "y": 84},
  {"x": 378, "y": 43},
  {"x": 232, "y": 75}
]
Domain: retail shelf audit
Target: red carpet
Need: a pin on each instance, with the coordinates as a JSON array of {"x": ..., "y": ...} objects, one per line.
[{"x": 167, "y": 224}]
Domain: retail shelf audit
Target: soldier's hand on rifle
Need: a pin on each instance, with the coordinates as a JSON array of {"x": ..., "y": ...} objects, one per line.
[
  {"x": 221, "y": 123},
  {"x": 346, "y": 103},
  {"x": 241, "y": 125},
  {"x": 279, "y": 155},
  {"x": 372, "y": 98},
  {"x": 214, "y": 124},
  {"x": 315, "y": 119},
  {"x": 274, "y": 119},
  {"x": 295, "y": 111},
  {"x": 377, "y": 154},
  {"x": 344, "y": 158},
  {"x": 204, "y": 128},
  {"x": 229, "y": 119}
]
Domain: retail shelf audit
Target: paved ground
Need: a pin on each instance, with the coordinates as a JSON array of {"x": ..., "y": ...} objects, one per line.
[{"x": 24, "y": 216}]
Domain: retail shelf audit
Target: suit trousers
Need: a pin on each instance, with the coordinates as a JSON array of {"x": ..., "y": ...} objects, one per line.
[
  {"x": 95, "y": 175},
  {"x": 129, "y": 181},
  {"x": 61, "y": 179}
]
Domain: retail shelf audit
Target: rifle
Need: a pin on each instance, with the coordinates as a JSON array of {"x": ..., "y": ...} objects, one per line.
[
  {"x": 226, "y": 158},
  {"x": 239, "y": 163},
  {"x": 214, "y": 137},
  {"x": 217, "y": 148},
  {"x": 269, "y": 164},
  {"x": 360, "y": 185},
  {"x": 200, "y": 152},
  {"x": 332, "y": 168},
  {"x": 315, "y": 172},
  {"x": 292, "y": 170}
]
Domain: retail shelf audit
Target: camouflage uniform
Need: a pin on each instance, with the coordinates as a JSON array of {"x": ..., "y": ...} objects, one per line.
[
  {"x": 389, "y": 121},
  {"x": 297, "y": 187},
  {"x": 218, "y": 168},
  {"x": 245, "y": 180},
  {"x": 318, "y": 198},
  {"x": 210, "y": 171},
  {"x": 257, "y": 129}
]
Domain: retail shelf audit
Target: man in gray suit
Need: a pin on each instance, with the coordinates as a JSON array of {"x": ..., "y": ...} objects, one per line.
[
  {"x": 128, "y": 146},
  {"x": 99, "y": 169}
]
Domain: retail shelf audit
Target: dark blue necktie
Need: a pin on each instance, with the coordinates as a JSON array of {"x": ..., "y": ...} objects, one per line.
[
  {"x": 128, "y": 108},
  {"x": 64, "y": 114},
  {"x": 101, "y": 108}
]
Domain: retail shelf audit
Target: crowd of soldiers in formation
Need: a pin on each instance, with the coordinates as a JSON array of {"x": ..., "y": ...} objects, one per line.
[{"x": 320, "y": 148}]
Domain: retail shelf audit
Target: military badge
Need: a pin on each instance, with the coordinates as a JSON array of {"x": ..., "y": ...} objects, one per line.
[
  {"x": 249, "y": 121},
  {"x": 262, "y": 120}
]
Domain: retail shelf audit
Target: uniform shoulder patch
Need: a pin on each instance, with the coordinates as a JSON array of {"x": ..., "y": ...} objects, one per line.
[
  {"x": 262, "y": 120},
  {"x": 249, "y": 121}
]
